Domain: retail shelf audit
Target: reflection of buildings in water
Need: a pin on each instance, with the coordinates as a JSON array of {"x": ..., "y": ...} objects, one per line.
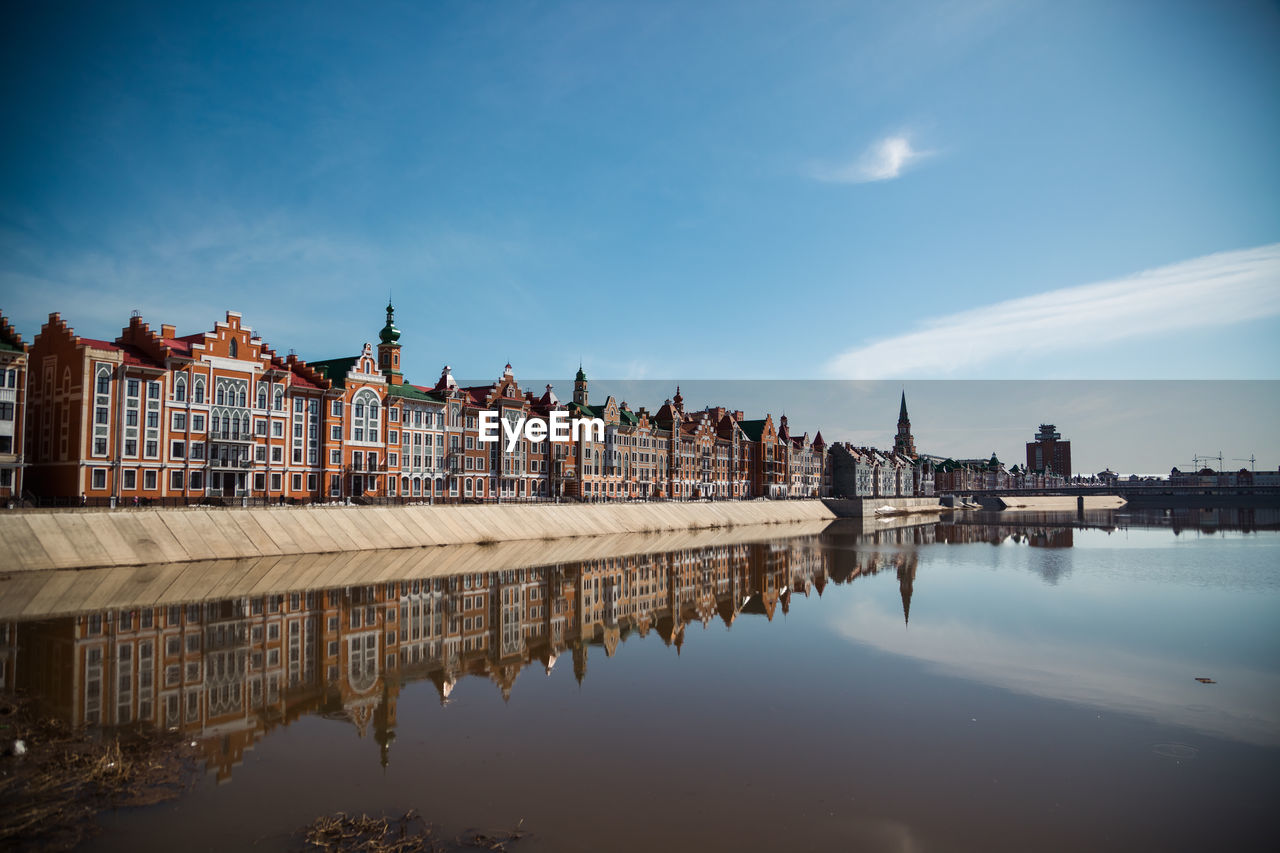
[
  {"x": 994, "y": 534},
  {"x": 1213, "y": 519},
  {"x": 228, "y": 672}
]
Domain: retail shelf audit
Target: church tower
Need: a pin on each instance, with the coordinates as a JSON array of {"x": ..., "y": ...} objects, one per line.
[
  {"x": 905, "y": 443},
  {"x": 389, "y": 349},
  {"x": 580, "y": 387}
]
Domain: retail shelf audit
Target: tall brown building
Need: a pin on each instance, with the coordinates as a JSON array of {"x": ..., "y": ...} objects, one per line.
[{"x": 1049, "y": 453}]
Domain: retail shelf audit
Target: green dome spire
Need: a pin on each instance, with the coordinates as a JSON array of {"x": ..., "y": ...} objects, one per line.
[{"x": 389, "y": 334}]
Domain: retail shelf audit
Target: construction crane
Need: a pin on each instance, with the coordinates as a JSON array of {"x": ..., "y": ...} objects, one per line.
[
  {"x": 1252, "y": 460},
  {"x": 1198, "y": 459}
]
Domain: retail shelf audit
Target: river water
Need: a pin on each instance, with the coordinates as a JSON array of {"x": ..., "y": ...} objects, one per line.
[{"x": 987, "y": 682}]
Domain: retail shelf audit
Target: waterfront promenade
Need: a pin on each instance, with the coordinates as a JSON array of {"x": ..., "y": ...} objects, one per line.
[{"x": 35, "y": 540}]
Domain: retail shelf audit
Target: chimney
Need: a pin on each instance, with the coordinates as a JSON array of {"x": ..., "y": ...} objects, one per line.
[{"x": 167, "y": 331}]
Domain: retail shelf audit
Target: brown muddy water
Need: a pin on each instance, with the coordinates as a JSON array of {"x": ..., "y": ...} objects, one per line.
[{"x": 988, "y": 682}]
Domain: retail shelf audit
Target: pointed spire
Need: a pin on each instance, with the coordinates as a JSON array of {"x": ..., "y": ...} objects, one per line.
[{"x": 902, "y": 411}]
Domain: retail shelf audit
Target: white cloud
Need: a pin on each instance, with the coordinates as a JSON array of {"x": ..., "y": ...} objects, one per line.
[
  {"x": 883, "y": 161},
  {"x": 1214, "y": 290}
]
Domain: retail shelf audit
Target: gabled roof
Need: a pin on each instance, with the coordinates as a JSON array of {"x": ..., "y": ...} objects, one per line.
[
  {"x": 132, "y": 355},
  {"x": 754, "y": 429},
  {"x": 413, "y": 392},
  {"x": 10, "y": 340},
  {"x": 182, "y": 346},
  {"x": 335, "y": 369}
]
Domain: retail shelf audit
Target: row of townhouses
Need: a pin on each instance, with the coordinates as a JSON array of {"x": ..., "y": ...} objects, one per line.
[{"x": 153, "y": 416}]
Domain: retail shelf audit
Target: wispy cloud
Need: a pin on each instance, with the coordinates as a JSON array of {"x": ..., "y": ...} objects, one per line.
[
  {"x": 885, "y": 160},
  {"x": 1214, "y": 290}
]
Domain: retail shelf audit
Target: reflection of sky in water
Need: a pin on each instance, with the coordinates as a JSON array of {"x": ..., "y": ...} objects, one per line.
[{"x": 1130, "y": 620}]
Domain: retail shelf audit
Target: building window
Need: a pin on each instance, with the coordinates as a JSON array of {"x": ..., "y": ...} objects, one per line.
[
  {"x": 297, "y": 482},
  {"x": 99, "y": 478},
  {"x": 175, "y": 481},
  {"x": 180, "y": 390},
  {"x": 277, "y": 429},
  {"x": 199, "y": 395},
  {"x": 260, "y": 482},
  {"x": 149, "y": 479},
  {"x": 178, "y": 449},
  {"x": 179, "y": 421},
  {"x": 131, "y": 479},
  {"x": 197, "y": 423}
]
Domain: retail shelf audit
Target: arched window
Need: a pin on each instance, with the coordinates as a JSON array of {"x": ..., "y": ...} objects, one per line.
[
  {"x": 364, "y": 416},
  {"x": 180, "y": 390},
  {"x": 235, "y": 349},
  {"x": 466, "y": 486},
  {"x": 104, "y": 380},
  {"x": 199, "y": 396},
  {"x": 262, "y": 398},
  {"x": 220, "y": 396},
  {"x": 279, "y": 402},
  {"x": 241, "y": 399}
]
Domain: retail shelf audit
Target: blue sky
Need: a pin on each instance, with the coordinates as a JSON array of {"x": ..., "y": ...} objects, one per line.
[{"x": 711, "y": 190}]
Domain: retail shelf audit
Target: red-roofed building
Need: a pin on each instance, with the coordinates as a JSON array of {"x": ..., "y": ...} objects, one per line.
[{"x": 153, "y": 416}]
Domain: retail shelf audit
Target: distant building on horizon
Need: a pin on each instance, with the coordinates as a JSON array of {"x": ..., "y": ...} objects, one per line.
[
  {"x": 1048, "y": 453},
  {"x": 904, "y": 443}
]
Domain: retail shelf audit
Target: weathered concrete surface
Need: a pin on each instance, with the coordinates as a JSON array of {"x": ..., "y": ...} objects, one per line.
[
  {"x": 1060, "y": 503},
  {"x": 859, "y": 507},
  {"x": 28, "y": 595},
  {"x": 72, "y": 539}
]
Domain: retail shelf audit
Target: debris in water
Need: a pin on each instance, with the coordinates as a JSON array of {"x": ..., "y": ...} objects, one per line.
[
  {"x": 405, "y": 834},
  {"x": 1206, "y": 681}
]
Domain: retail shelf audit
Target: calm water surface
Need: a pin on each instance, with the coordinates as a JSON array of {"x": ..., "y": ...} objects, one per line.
[{"x": 987, "y": 683}]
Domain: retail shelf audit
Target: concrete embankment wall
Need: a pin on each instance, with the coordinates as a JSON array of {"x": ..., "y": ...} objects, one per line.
[
  {"x": 70, "y": 539},
  {"x": 859, "y": 507},
  {"x": 1057, "y": 503},
  {"x": 35, "y": 595}
]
